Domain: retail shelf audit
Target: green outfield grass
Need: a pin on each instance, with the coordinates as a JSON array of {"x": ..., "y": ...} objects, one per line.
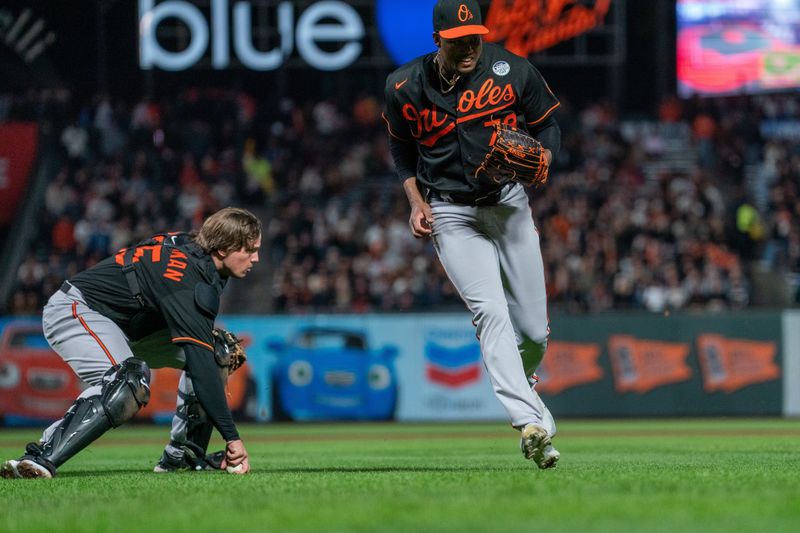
[{"x": 674, "y": 476}]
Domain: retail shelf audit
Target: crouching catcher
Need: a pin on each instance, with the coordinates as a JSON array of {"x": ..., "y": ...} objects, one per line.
[{"x": 149, "y": 306}]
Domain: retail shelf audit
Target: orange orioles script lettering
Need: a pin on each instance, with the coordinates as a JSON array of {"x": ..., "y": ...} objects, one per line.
[
  {"x": 488, "y": 99},
  {"x": 176, "y": 267},
  {"x": 426, "y": 121},
  {"x": 488, "y": 95}
]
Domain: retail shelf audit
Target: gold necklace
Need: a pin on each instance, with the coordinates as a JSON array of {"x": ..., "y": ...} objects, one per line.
[{"x": 442, "y": 78}]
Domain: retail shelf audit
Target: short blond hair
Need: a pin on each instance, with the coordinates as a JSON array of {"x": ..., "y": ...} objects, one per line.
[{"x": 229, "y": 230}]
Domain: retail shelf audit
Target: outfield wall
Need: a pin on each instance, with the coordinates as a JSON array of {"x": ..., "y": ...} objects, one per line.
[
  {"x": 791, "y": 363},
  {"x": 611, "y": 365}
]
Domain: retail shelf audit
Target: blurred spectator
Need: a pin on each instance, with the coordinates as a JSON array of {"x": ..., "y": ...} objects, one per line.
[{"x": 75, "y": 139}]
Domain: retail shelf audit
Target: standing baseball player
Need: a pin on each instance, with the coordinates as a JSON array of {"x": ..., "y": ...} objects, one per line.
[
  {"x": 444, "y": 111},
  {"x": 150, "y": 305}
]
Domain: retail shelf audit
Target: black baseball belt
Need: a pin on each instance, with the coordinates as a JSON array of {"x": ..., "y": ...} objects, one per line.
[{"x": 466, "y": 198}]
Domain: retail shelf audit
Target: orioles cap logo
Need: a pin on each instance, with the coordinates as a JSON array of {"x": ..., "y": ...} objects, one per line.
[{"x": 464, "y": 13}]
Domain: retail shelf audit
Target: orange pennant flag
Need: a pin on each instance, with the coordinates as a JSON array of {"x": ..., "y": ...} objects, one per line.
[
  {"x": 731, "y": 364},
  {"x": 567, "y": 365},
  {"x": 643, "y": 365}
]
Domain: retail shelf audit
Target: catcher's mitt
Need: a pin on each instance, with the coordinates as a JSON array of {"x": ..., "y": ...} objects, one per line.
[
  {"x": 515, "y": 156},
  {"x": 228, "y": 350}
]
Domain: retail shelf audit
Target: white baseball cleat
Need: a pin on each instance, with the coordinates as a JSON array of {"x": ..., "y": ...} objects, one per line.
[
  {"x": 536, "y": 446},
  {"x": 533, "y": 440},
  {"x": 9, "y": 469},
  {"x": 547, "y": 458},
  {"x": 31, "y": 469}
]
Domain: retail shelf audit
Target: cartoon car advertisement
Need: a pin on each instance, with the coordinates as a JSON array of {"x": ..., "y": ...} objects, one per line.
[
  {"x": 35, "y": 383},
  {"x": 332, "y": 374},
  {"x": 37, "y": 386}
]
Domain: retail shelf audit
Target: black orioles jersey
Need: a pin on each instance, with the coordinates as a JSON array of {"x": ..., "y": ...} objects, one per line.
[
  {"x": 179, "y": 289},
  {"x": 179, "y": 284},
  {"x": 454, "y": 130}
]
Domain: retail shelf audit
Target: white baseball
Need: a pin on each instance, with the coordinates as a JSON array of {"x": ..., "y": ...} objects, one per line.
[{"x": 235, "y": 469}]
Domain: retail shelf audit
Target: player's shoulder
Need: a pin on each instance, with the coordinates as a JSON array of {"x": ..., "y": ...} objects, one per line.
[
  {"x": 199, "y": 259},
  {"x": 183, "y": 264},
  {"x": 406, "y": 76},
  {"x": 412, "y": 67},
  {"x": 178, "y": 238},
  {"x": 494, "y": 53},
  {"x": 181, "y": 246}
]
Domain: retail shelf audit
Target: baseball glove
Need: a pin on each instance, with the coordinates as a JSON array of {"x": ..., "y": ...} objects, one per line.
[
  {"x": 515, "y": 156},
  {"x": 228, "y": 350}
]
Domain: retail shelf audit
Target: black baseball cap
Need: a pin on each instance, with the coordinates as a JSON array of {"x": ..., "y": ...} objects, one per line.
[{"x": 458, "y": 18}]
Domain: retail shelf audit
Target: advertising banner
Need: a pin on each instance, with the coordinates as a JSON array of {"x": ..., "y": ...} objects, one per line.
[
  {"x": 128, "y": 46},
  {"x": 17, "y": 154},
  {"x": 655, "y": 365},
  {"x": 332, "y": 35},
  {"x": 37, "y": 386},
  {"x": 429, "y": 367}
]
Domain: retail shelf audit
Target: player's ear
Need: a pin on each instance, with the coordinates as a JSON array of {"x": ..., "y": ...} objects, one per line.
[{"x": 437, "y": 40}]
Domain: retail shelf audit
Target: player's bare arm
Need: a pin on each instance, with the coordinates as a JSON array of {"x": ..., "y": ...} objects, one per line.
[{"x": 421, "y": 219}]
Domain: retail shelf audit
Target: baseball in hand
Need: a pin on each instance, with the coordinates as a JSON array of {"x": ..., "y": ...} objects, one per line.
[{"x": 235, "y": 469}]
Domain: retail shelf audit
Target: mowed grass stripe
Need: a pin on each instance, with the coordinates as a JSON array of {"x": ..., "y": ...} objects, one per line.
[{"x": 283, "y": 432}]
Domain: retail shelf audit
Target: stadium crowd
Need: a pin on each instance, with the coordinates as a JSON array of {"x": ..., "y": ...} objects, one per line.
[{"x": 620, "y": 229}]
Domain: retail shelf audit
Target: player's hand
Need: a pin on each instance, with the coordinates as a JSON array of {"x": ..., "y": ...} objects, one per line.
[
  {"x": 235, "y": 455},
  {"x": 421, "y": 220}
]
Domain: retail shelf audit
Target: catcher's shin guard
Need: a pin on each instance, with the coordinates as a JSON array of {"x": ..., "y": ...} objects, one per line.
[
  {"x": 200, "y": 426},
  {"x": 189, "y": 438},
  {"x": 195, "y": 427},
  {"x": 121, "y": 397}
]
